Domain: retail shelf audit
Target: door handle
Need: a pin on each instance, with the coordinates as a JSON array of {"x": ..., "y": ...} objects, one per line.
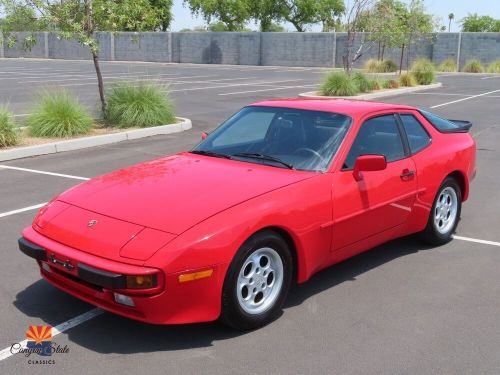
[{"x": 407, "y": 174}]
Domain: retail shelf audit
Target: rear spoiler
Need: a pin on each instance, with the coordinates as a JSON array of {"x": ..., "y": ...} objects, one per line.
[{"x": 463, "y": 126}]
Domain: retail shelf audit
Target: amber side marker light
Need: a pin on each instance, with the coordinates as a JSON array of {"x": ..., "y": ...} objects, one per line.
[
  {"x": 141, "y": 281},
  {"x": 195, "y": 275}
]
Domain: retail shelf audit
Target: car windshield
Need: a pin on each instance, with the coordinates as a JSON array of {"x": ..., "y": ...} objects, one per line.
[{"x": 279, "y": 137}]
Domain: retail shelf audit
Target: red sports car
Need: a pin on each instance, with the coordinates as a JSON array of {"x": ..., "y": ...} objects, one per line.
[{"x": 279, "y": 191}]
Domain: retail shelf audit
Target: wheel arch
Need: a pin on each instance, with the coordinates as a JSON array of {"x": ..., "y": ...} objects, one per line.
[
  {"x": 287, "y": 236},
  {"x": 462, "y": 181}
]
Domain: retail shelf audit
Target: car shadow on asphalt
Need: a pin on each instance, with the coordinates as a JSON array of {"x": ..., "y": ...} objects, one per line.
[
  {"x": 349, "y": 269},
  {"x": 109, "y": 333}
]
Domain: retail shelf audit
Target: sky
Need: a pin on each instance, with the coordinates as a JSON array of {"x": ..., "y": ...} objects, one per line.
[{"x": 440, "y": 8}]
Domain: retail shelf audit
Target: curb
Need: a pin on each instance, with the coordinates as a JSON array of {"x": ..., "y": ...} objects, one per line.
[
  {"x": 98, "y": 140},
  {"x": 375, "y": 95}
]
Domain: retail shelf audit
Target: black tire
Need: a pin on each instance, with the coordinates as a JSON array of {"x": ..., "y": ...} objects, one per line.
[
  {"x": 431, "y": 234},
  {"x": 233, "y": 314}
]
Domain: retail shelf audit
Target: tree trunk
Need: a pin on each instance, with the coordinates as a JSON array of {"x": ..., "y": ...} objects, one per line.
[
  {"x": 378, "y": 54},
  {"x": 100, "y": 82},
  {"x": 383, "y": 51},
  {"x": 401, "y": 60}
]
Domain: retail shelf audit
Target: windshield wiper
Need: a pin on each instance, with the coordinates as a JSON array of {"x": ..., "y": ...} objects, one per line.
[
  {"x": 211, "y": 153},
  {"x": 263, "y": 157}
]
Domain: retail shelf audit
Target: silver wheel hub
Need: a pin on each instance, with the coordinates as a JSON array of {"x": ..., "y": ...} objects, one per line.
[
  {"x": 260, "y": 280},
  {"x": 445, "y": 211}
]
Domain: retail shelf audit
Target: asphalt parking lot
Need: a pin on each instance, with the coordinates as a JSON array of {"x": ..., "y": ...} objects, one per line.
[{"x": 402, "y": 308}]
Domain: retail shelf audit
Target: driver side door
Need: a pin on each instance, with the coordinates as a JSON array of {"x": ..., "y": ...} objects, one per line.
[{"x": 380, "y": 200}]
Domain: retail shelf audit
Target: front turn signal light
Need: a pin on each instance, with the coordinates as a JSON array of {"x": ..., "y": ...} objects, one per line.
[
  {"x": 141, "y": 281},
  {"x": 195, "y": 275}
]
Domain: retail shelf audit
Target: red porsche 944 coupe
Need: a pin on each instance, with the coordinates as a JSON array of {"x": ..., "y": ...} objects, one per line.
[{"x": 279, "y": 191}]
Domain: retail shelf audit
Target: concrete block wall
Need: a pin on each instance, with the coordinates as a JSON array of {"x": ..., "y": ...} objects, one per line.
[
  {"x": 19, "y": 50},
  {"x": 132, "y": 46},
  {"x": 254, "y": 48},
  {"x": 482, "y": 46},
  {"x": 297, "y": 49}
]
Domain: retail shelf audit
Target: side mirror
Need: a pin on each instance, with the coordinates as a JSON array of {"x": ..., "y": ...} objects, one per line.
[
  {"x": 368, "y": 163},
  {"x": 204, "y": 135}
]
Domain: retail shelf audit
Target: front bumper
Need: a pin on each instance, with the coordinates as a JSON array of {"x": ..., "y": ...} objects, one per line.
[{"x": 96, "y": 280}]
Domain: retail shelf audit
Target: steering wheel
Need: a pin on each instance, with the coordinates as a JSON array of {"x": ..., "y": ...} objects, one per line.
[{"x": 310, "y": 151}]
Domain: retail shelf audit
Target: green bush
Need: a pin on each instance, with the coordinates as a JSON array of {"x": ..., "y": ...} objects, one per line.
[
  {"x": 58, "y": 114},
  {"x": 448, "y": 65},
  {"x": 374, "y": 84},
  {"x": 339, "y": 84},
  {"x": 423, "y": 71},
  {"x": 473, "y": 66},
  {"x": 407, "y": 80},
  {"x": 494, "y": 67},
  {"x": 9, "y": 133},
  {"x": 384, "y": 66},
  {"x": 361, "y": 82},
  {"x": 387, "y": 66},
  {"x": 385, "y": 84},
  {"x": 141, "y": 105},
  {"x": 372, "y": 65}
]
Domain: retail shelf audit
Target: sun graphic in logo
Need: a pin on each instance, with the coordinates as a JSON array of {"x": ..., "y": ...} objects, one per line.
[{"x": 39, "y": 334}]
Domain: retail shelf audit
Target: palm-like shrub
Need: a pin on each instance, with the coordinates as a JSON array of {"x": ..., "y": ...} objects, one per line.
[
  {"x": 9, "y": 133},
  {"x": 338, "y": 84},
  {"x": 448, "y": 65},
  {"x": 423, "y": 71},
  {"x": 387, "y": 66},
  {"x": 407, "y": 80},
  {"x": 58, "y": 114},
  {"x": 473, "y": 66},
  {"x": 372, "y": 65},
  {"x": 361, "y": 82},
  {"x": 141, "y": 105},
  {"x": 494, "y": 67}
]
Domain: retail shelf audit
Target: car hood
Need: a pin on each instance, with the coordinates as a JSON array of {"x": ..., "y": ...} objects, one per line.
[{"x": 174, "y": 193}]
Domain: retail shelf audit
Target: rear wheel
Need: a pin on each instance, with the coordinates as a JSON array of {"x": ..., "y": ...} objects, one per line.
[
  {"x": 257, "y": 282},
  {"x": 445, "y": 213}
]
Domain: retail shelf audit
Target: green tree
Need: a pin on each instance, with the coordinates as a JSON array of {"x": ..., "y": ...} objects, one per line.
[
  {"x": 451, "y": 16},
  {"x": 81, "y": 19},
  {"x": 329, "y": 12},
  {"x": 266, "y": 13},
  {"x": 163, "y": 10},
  {"x": 301, "y": 13},
  {"x": 232, "y": 13},
  {"x": 476, "y": 23}
]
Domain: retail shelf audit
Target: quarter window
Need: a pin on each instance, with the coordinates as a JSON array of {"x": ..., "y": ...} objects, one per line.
[
  {"x": 377, "y": 136},
  {"x": 418, "y": 138}
]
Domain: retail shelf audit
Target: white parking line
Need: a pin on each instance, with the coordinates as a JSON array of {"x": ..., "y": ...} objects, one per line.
[
  {"x": 490, "y": 77},
  {"x": 461, "y": 100},
  {"x": 476, "y": 240},
  {"x": 6, "y": 353},
  {"x": 44, "y": 172},
  {"x": 267, "y": 83},
  {"x": 21, "y": 210},
  {"x": 262, "y": 90},
  {"x": 438, "y": 94},
  {"x": 152, "y": 77}
]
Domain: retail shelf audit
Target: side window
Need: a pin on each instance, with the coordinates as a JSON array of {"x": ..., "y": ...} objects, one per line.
[
  {"x": 377, "y": 136},
  {"x": 252, "y": 127},
  {"x": 418, "y": 138}
]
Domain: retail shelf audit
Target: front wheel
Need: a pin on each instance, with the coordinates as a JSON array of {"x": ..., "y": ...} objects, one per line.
[
  {"x": 257, "y": 282},
  {"x": 445, "y": 213}
]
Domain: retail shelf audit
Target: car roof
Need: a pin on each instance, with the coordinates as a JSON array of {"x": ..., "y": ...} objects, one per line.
[{"x": 344, "y": 106}]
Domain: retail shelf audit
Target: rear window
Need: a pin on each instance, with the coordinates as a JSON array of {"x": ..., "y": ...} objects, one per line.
[{"x": 440, "y": 123}]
